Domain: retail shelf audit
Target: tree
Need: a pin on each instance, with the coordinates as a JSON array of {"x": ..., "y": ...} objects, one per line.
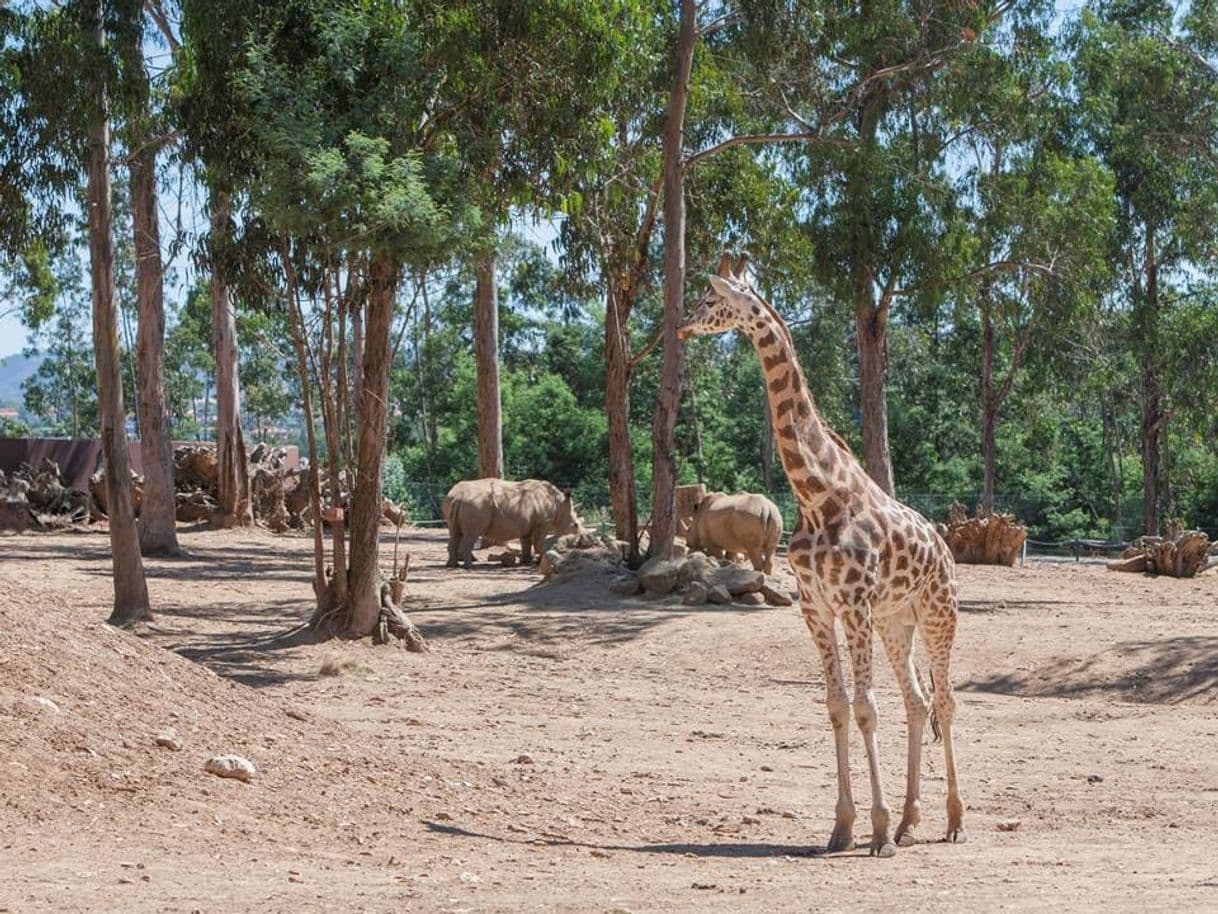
[
  {"x": 130, "y": 590},
  {"x": 1151, "y": 114},
  {"x": 664, "y": 471},
  {"x": 158, "y": 508}
]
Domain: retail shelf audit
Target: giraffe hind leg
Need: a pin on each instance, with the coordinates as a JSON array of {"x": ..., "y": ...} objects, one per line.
[{"x": 938, "y": 630}]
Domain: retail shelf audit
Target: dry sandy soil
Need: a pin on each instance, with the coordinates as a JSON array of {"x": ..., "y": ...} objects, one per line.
[{"x": 566, "y": 751}]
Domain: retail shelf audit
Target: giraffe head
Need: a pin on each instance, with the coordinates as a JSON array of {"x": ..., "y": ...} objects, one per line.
[{"x": 726, "y": 305}]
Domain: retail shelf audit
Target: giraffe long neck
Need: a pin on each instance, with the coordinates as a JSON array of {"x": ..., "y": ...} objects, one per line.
[{"x": 814, "y": 462}]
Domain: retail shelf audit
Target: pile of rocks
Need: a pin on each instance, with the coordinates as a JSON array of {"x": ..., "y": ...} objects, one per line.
[{"x": 695, "y": 576}]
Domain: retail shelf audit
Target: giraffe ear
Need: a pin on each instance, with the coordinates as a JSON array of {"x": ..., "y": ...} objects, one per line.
[{"x": 723, "y": 287}]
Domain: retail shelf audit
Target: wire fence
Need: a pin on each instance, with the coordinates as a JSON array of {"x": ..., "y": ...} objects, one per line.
[{"x": 422, "y": 499}]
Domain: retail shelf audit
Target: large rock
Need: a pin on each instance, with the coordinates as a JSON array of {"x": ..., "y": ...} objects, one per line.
[
  {"x": 698, "y": 566},
  {"x": 775, "y": 596},
  {"x": 231, "y": 766},
  {"x": 736, "y": 580},
  {"x": 660, "y": 576},
  {"x": 718, "y": 594},
  {"x": 695, "y": 594},
  {"x": 625, "y": 586},
  {"x": 752, "y": 598}
]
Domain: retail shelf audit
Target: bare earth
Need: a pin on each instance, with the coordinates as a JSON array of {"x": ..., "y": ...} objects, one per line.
[{"x": 564, "y": 750}]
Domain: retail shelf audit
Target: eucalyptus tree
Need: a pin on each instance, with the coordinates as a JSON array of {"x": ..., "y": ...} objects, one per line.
[
  {"x": 349, "y": 180},
  {"x": 525, "y": 90},
  {"x": 52, "y": 137},
  {"x": 158, "y": 507},
  {"x": 1030, "y": 236},
  {"x": 1150, "y": 108}
]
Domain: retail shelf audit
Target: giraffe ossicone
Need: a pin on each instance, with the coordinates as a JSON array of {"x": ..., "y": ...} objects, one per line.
[{"x": 861, "y": 558}]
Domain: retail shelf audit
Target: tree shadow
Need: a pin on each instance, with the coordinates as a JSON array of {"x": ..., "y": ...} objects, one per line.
[{"x": 1168, "y": 671}]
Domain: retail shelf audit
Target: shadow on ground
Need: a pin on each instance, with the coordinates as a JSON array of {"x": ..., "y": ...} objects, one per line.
[{"x": 1156, "y": 672}]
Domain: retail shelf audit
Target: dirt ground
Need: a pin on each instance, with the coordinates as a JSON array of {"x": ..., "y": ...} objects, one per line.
[{"x": 562, "y": 750}]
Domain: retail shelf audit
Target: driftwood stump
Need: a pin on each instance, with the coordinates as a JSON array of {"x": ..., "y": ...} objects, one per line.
[
  {"x": 1180, "y": 554},
  {"x": 987, "y": 539}
]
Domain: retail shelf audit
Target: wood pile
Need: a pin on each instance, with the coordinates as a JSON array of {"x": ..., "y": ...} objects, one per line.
[
  {"x": 39, "y": 499},
  {"x": 1180, "y": 554},
  {"x": 986, "y": 539}
]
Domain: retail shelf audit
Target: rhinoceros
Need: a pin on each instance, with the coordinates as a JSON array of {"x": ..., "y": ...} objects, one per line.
[
  {"x": 500, "y": 511},
  {"x": 731, "y": 524}
]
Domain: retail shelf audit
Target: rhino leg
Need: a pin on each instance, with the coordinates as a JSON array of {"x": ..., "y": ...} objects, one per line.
[
  {"x": 759, "y": 563},
  {"x": 768, "y": 566},
  {"x": 453, "y": 552},
  {"x": 467, "y": 549}
]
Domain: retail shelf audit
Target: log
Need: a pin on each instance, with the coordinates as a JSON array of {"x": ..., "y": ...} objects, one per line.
[
  {"x": 994, "y": 539},
  {"x": 1180, "y": 554}
]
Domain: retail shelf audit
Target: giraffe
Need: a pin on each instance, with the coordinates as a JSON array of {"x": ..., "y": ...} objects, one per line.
[{"x": 861, "y": 557}]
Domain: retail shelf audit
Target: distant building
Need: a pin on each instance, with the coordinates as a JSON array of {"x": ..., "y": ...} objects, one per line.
[{"x": 9, "y": 412}]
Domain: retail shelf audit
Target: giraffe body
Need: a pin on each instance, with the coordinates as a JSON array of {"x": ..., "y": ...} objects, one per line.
[{"x": 861, "y": 559}]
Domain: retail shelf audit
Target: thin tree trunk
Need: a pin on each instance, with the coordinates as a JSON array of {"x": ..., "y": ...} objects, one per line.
[
  {"x": 1153, "y": 416},
  {"x": 989, "y": 408},
  {"x": 158, "y": 509},
  {"x": 767, "y": 448},
  {"x": 233, "y": 484},
  {"x": 623, "y": 498},
  {"x": 130, "y": 589},
  {"x": 664, "y": 480},
  {"x": 364, "y": 604},
  {"x": 320, "y": 589},
  {"x": 486, "y": 357}
]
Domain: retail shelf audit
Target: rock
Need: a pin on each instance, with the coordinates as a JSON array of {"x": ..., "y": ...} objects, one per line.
[
  {"x": 775, "y": 596},
  {"x": 753, "y": 598},
  {"x": 698, "y": 566},
  {"x": 231, "y": 766},
  {"x": 625, "y": 586},
  {"x": 1008, "y": 824},
  {"x": 523, "y": 759},
  {"x": 1095, "y": 779},
  {"x": 549, "y": 563},
  {"x": 506, "y": 559},
  {"x": 660, "y": 576},
  {"x": 736, "y": 580},
  {"x": 679, "y": 550},
  {"x": 168, "y": 739},
  {"x": 45, "y": 704},
  {"x": 718, "y": 594},
  {"x": 695, "y": 594}
]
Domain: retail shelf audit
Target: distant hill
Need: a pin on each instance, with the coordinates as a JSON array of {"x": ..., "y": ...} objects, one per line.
[{"x": 13, "y": 370}]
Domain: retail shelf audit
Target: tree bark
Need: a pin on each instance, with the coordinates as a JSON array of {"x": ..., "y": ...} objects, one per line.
[
  {"x": 664, "y": 480},
  {"x": 130, "y": 588},
  {"x": 989, "y": 409},
  {"x": 486, "y": 358},
  {"x": 158, "y": 510},
  {"x": 623, "y": 499},
  {"x": 871, "y": 316},
  {"x": 1153, "y": 417},
  {"x": 364, "y": 606},
  {"x": 234, "y": 475}
]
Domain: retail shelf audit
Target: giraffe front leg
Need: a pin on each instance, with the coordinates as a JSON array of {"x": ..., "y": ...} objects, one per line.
[
  {"x": 821, "y": 627},
  {"x": 858, "y": 624}
]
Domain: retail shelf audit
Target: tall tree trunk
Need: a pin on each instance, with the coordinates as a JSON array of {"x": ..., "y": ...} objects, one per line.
[
  {"x": 486, "y": 358},
  {"x": 1153, "y": 416},
  {"x": 364, "y": 605},
  {"x": 664, "y": 479},
  {"x": 130, "y": 589},
  {"x": 158, "y": 509},
  {"x": 870, "y": 314},
  {"x": 989, "y": 408},
  {"x": 234, "y": 474},
  {"x": 623, "y": 499}
]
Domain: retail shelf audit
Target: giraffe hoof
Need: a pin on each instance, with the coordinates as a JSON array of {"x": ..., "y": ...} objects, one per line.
[
  {"x": 906, "y": 837},
  {"x": 883, "y": 848},
  {"x": 840, "y": 840},
  {"x": 957, "y": 835}
]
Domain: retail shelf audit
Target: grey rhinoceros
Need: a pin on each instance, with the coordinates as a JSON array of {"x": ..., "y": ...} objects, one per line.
[
  {"x": 500, "y": 511},
  {"x": 741, "y": 523}
]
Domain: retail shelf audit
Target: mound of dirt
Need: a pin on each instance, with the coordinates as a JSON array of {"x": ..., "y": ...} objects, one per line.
[{"x": 95, "y": 721}]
